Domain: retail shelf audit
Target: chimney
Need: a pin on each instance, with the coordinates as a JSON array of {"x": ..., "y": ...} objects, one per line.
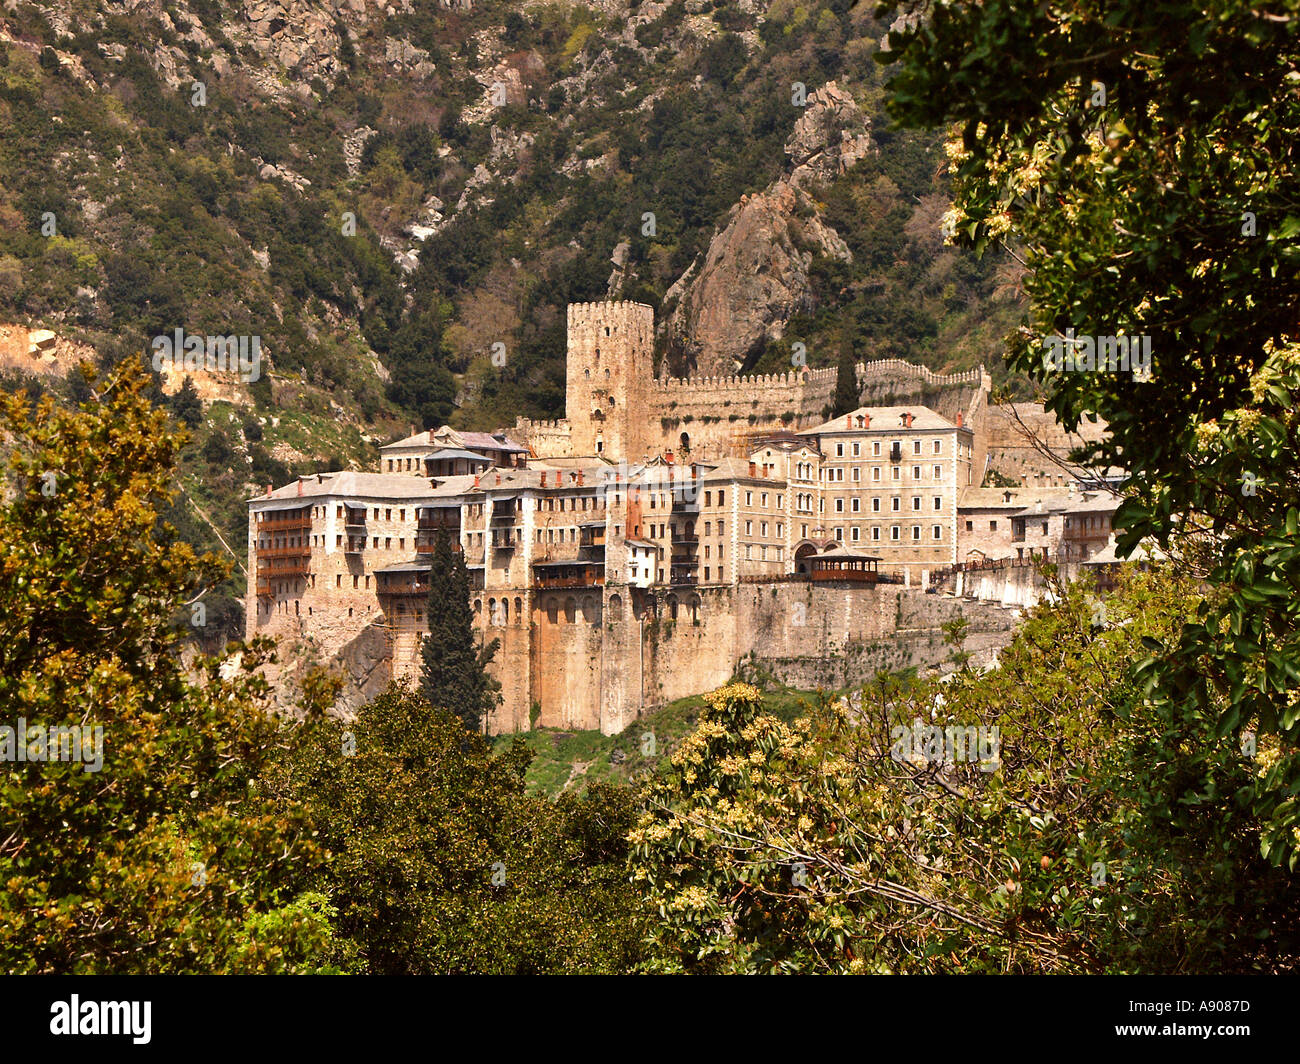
[
  {"x": 694, "y": 472},
  {"x": 848, "y": 421},
  {"x": 543, "y": 479},
  {"x": 866, "y": 421},
  {"x": 753, "y": 470},
  {"x": 579, "y": 478},
  {"x": 300, "y": 485},
  {"x": 960, "y": 418},
  {"x": 907, "y": 420},
  {"x": 268, "y": 489},
  {"x": 498, "y": 478},
  {"x": 476, "y": 480}
]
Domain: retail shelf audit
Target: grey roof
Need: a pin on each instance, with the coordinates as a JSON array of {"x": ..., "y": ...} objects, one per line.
[
  {"x": 455, "y": 452},
  {"x": 883, "y": 419}
]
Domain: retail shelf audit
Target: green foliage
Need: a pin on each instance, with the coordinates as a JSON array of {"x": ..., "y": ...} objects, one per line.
[
  {"x": 1142, "y": 164},
  {"x": 453, "y": 663},
  {"x": 1073, "y": 844},
  {"x": 439, "y": 863},
  {"x": 171, "y": 857},
  {"x": 847, "y": 395}
]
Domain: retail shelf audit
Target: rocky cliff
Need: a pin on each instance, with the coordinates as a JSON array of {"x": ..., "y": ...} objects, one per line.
[{"x": 754, "y": 276}]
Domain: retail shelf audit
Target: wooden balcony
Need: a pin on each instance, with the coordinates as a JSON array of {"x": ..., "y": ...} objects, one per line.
[
  {"x": 562, "y": 575},
  {"x": 404, "y": 587},
  {"x": 267, "y": 553},
  {"x": 438, "y": 521},
  {"x": 284, "y": 520},
  {"x": 425, "y": 545}
]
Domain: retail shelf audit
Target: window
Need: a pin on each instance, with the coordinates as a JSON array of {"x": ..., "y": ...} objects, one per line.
[
  {"x": 857, "y": 473},
  {"x": 916, "y": 502},
  {"x": 720, "y": 530},
  {"x": 875, "y": 473},
  {"x": 749, "y": 529},
  {"x": 938, "y": 472},
  {"x": 970, "y": 526},
  {"x": 916, "y": 532},
  {"x": 916, "y": 446},
  {"x": 722, "y": 501},
  {"x": 893, "y": 533},
  {"x": 839, "y": 450},
  {"x": 780, "y": 502},
  {"x": 708, "y": 528},
  {"x": 857, "y": 450},
  {"x": 875, "y": 533},
  {"x": 749, "y": 498},
  {"x": 938, "y": 446},
  {"x": 916, "y": 472},
  {"x": 895, "y": 504},
  {"x": 855, "y": 533},
  {"x": 993, "y": 526},
  {"x": 937, "y": 531},
  {"x": 708, "y": 498},
  {"x": 938, "y": 502},
  {"x": 839, "y": 535},
  {"x": 897, "y": 473},
  {"x": 839, "y": 506},
  {"x": 763, "y": 531},
  {"x": 875, "y": 448},
  {"x": 875, "y": 505},
  {"x": 763, "y": 497},
  {"x": 857, "y": 505}
]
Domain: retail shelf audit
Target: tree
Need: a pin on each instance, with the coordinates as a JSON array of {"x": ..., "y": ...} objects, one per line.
[
  {"x": 1015, "y": 821},
  {"x": 453, "y": 662},
  {"x": 160, "y": 850},
  {"x": 1142, "y": 165},
  {"x": 846, "y": 385},
  {"x": 440, "y": 863},
  {"x": 186, "y": 405}
]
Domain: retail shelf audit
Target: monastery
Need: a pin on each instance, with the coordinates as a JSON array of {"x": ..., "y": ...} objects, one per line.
[{"x": 634, "y": 551}]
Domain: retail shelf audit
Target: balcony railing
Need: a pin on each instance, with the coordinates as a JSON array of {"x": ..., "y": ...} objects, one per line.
[
  {"x": 427, "y": 544},
  {"x": 301, "y": 551},
  {"x": 569, "y": 576},
  {"x": 284, "y": 520}
]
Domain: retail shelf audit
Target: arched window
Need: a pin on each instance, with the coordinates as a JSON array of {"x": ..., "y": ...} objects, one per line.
[
  {"x": 686, "y": 442},
  {"x": 616, "y": 608},
  {"x": 519, "y": 611},
  {"x": 570, "y": 611},
  {"x": 672, "y": 606}
]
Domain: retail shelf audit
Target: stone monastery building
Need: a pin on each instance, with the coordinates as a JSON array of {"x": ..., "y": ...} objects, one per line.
[{"x": 632, "y": 552}]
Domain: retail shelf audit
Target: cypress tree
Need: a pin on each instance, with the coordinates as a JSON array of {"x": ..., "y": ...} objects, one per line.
[
  {"x": 846, "y": 386},
  {"x": 453, "y": 666}
]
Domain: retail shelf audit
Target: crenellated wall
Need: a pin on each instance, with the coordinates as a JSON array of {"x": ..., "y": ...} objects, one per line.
[{"x": 616, "y": 407}]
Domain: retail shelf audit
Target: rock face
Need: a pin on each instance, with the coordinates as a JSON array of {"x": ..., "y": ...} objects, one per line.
[{"x": 754, "y": 275}]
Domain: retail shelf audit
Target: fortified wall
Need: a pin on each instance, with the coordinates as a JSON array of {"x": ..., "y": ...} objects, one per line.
[{"x": 622, "y": 651}]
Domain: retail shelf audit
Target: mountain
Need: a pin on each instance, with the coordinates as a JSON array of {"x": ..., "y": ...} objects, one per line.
[{"x": 384, "y": 192}]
